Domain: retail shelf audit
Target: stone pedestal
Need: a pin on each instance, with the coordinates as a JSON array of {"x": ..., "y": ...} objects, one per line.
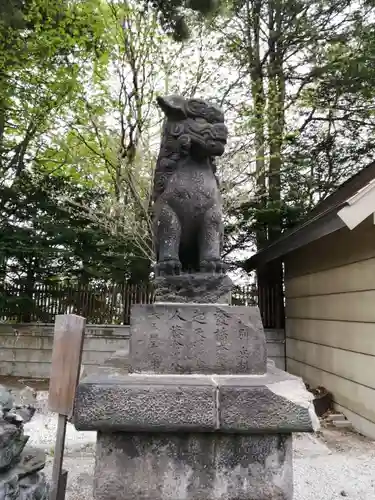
[
  {"x": 197, "y": 414},
  {"x": 197, "y": 338},
  {"x": 162, "y": 466}
]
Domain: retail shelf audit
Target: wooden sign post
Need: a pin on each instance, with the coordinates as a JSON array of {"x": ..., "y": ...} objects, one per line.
[{"x": 65, "y": 370}]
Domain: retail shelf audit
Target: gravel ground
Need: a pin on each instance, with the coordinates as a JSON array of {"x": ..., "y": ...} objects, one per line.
[{"x": 329, "y": 465}]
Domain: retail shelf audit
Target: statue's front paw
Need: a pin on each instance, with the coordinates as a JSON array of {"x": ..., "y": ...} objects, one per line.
[
  {"x": 168, "y": 267},
  {"x": 213, "y": 266}
]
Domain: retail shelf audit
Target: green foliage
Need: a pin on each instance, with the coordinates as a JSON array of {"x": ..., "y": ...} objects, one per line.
[
  {"x": 44, "y": 243},
  {"x": 51, "y": 53},
  {"x": 173, "y": 14},
  {"x": 43, "y": 240},
  {"x": 308, "y": 70},
  {"x": 45, "y": 47}
]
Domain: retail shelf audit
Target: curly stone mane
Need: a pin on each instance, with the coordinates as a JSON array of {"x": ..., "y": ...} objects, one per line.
[{"x": 174, "y": 146}]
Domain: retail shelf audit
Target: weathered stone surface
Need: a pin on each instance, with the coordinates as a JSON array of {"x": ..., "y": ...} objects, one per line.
[
  {"x": 12, "y": 442},
  {"x": 202, "y": 288},
  {"x": 190, "y": 466},
  {"x": 277, "y": 402},
  {"x": 26, "y": 397},
  {"x": 24, "y": 481},
  {"x": 9, "y": 489},
  {"x": 144, "y": 402},
  {"x": 12, "y": 407},
  {"x": 20, "y": 478},
  {"x": 188, "y": 227},
  {"x": 19, "y": 415},
  {"x": 274, "y": 403},
  {"x": 197, "y": 338},
  {"x": 34, "y": 487},
  {"x": 6, "y": 399},
  {"x": 31, "y": 460}
]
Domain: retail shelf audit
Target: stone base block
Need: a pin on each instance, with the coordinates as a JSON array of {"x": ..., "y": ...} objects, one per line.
[
  {"x": 203, "y": 288},
  {"x": 144, "y": 402},
  {"x": 197, "y": 338},
  {"x": 276, "y": 402},
  {"x": 154, "y": 466}
]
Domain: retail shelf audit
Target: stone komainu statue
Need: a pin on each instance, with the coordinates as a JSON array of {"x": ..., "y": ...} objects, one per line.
[{"x": 188, "y": 228}]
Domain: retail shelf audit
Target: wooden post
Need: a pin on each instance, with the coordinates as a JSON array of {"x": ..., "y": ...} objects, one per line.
[{"x": 65, "y": 370}]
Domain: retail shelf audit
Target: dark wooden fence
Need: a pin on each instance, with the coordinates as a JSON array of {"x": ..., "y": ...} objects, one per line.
[
  {"x": 109, "y": 304},
  {"x": 270, "y": 301},
  {"x": 100, "y": 304}
]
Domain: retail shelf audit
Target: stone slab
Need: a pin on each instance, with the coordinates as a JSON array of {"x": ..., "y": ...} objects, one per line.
[
  {"x": 12, "y": 442},
  {"x": 197, "y": 338},
  {"x": 273, "y": 403},
  {"x": 139, "y": 402},
  {"x": 202, "y": 288},
  {"x": 190, "y": 466},
  {"x": 24, "y": 481},
  {"x": 259, "y": 408},
  {"x": 276, "y": 402}
]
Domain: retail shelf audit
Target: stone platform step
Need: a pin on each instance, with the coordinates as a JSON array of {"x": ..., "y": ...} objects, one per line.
[{"x": 276, "y": 402}]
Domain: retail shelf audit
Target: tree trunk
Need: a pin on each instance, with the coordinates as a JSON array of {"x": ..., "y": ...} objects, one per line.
[
  {"x": 276, "y": 104},
  {"x": 253, "y": 13}
]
